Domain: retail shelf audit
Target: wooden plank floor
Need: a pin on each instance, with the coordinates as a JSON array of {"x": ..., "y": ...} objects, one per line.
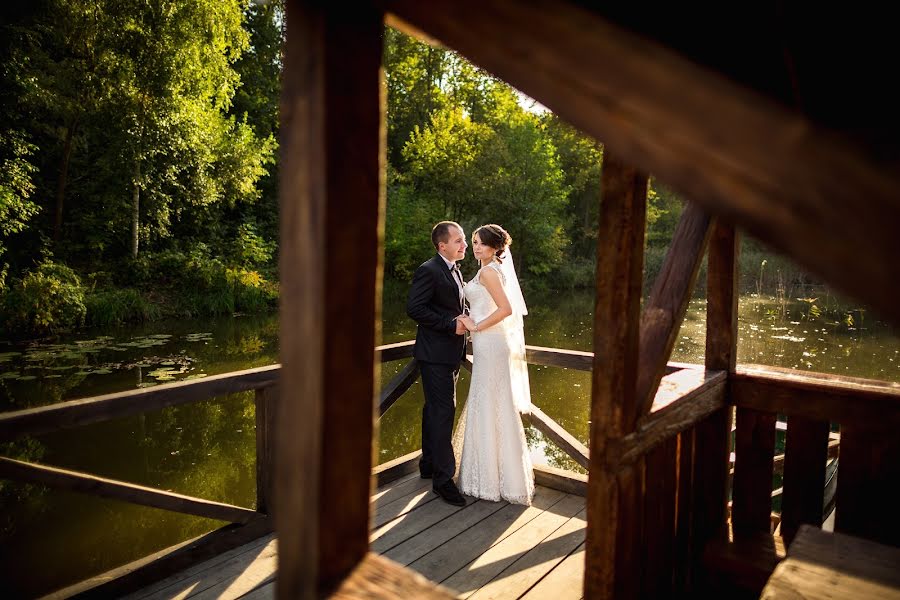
[{"x": 482, "y": 550}]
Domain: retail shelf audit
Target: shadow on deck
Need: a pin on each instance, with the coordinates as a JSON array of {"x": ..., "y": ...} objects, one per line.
[{"x": 482, "y": 550}]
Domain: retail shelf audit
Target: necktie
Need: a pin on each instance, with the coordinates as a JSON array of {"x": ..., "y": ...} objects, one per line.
[
  {"x": 458, "y": 275},
  {"x": 457, "y": 272}
]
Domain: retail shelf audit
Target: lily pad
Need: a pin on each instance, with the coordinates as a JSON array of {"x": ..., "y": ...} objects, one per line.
[
  {"x": 102, "y": 371},
  {"x": 147, "y": 384},
  {"x": 9, "y": 375},
  {"x": 196, "y": 376}
]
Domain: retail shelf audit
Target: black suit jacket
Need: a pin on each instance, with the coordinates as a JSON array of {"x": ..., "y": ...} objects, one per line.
[{"x": 433, "y": 303}]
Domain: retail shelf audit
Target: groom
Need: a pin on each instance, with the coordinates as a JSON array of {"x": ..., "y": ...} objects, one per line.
[{"x": 435, "y": 301}]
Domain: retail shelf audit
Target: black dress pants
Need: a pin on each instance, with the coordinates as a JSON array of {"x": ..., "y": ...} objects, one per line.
[{"x": 439, "y": 385}]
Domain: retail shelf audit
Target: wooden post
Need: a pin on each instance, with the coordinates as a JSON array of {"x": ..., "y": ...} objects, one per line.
[
  {"x": 713, "y": 436},
  {"x": 660, "y": 504},
  {"x": 614, "y": 495},
  {"x": 805, "y": 455},
  {"x": 266, "y": 400},
  {"x": 751, "y": 500},
  {"x": 331, "y": 196}
]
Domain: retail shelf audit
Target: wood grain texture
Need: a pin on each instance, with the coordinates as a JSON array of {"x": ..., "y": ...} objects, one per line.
[
  {"x": 445, "y": 560},
  {"x": 614, "y": 498},
  {"x": 805, "y": 454},
  {"x": 302, "y": 199},
  {"x": 712, "y": 437},
  {"x": 698, "y": 131},
  {"x": 660, "y": 504},
  {"x": 832, "y": 565},
  {"x": 266, "y": 401},
  {"x": 664, "y": 309},
  {"x": 686, "y": 398},
  {"x": 354, "y": 229},
  {"x": 74, "y": 413},
  {"x": 754, "y": 451},
  {"x": 722, "y": 297},
  {"x": 75, "y": 481},
  {"x": 817, "y": 396},
  {"x": 380, "y": 578}
]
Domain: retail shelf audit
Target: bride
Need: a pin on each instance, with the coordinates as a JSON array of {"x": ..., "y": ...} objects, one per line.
[{"x": 495, "y": 462}]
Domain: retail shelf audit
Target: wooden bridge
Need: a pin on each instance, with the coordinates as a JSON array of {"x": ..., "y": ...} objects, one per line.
[
  {"x": 794, "y": 150},
  {"x": 489, "y": 549}
]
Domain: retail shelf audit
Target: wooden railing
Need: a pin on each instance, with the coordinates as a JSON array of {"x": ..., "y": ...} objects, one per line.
[
  {"x": 246, "y": 524},
  {"x": 868, "y": 415},
  {"x": 867, "y": 411}
]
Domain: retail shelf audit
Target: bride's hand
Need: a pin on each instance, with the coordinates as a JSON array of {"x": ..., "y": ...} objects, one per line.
[{"x": 468, "y": 321}]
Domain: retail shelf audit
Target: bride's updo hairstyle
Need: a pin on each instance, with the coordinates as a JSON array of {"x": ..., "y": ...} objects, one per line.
[{"x": 494, "y": 236}]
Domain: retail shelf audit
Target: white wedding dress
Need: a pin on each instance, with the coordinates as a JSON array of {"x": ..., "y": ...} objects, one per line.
[{"x": 494, "y": 462}]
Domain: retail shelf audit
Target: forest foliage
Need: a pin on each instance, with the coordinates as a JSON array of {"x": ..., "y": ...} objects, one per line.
[{"x": 138, "y": 163}]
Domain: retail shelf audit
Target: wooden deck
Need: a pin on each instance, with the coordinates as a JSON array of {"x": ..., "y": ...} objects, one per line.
[{"x": 482, "y": 550}]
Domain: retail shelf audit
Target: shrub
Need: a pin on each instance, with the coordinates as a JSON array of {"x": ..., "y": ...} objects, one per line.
[{"x": 46, "y": 299}]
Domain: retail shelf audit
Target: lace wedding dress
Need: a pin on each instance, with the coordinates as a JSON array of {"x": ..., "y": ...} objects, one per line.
[{"x": 494, "y": 462}]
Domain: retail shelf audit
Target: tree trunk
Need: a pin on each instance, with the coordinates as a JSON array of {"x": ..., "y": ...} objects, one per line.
[
  {"x": 63, "y": 177},
  {"x": 135, "y": 209}
]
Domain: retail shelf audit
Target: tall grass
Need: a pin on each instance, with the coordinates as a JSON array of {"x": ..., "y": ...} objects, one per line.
[{"x": 115, "y": 307}]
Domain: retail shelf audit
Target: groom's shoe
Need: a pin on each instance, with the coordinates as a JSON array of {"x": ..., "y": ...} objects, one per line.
[{"x": 450, "y": 493}]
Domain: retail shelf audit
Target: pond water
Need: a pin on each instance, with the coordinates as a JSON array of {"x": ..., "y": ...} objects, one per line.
[{"x": 49, "y": 539}]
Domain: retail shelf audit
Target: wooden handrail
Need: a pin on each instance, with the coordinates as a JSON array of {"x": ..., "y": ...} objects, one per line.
[
  {"x": 74, "y": 413},
  {"x": 389, "y": 352},
  {"x": 119, "y": 490},
  {"x": 816, "y": 395},
  {"x": 683, "y": 400},
  {"x": 84, "y": 411}
]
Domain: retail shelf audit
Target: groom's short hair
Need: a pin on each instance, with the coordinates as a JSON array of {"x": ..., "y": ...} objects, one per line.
[{"x": 441, "y": 232}]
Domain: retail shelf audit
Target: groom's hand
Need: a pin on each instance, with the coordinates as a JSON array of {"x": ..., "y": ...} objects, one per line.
[{"x": 460, "y": 326}]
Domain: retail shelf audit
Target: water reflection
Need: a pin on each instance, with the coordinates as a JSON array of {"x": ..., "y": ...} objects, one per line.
[{"x": 208, "y": 449}]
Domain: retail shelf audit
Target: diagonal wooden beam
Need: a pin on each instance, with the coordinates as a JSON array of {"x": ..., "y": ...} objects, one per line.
[
  {"x": 614, "y": 497},
  {"x": 567, "y": 442},
  {"x": 75, "y": 481},
  {"x": 665, "y": 308},
  {"x": 397, "y": 386},
  {"x": 795, "y": 185}
]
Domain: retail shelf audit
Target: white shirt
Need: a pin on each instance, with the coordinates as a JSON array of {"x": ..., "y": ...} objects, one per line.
[{"x": 458, "y": 280}]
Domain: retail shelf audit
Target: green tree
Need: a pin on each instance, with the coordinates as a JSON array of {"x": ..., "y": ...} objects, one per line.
[
  {"x": 580, "y": 158},
  {"x": 503, "y": 170}
]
